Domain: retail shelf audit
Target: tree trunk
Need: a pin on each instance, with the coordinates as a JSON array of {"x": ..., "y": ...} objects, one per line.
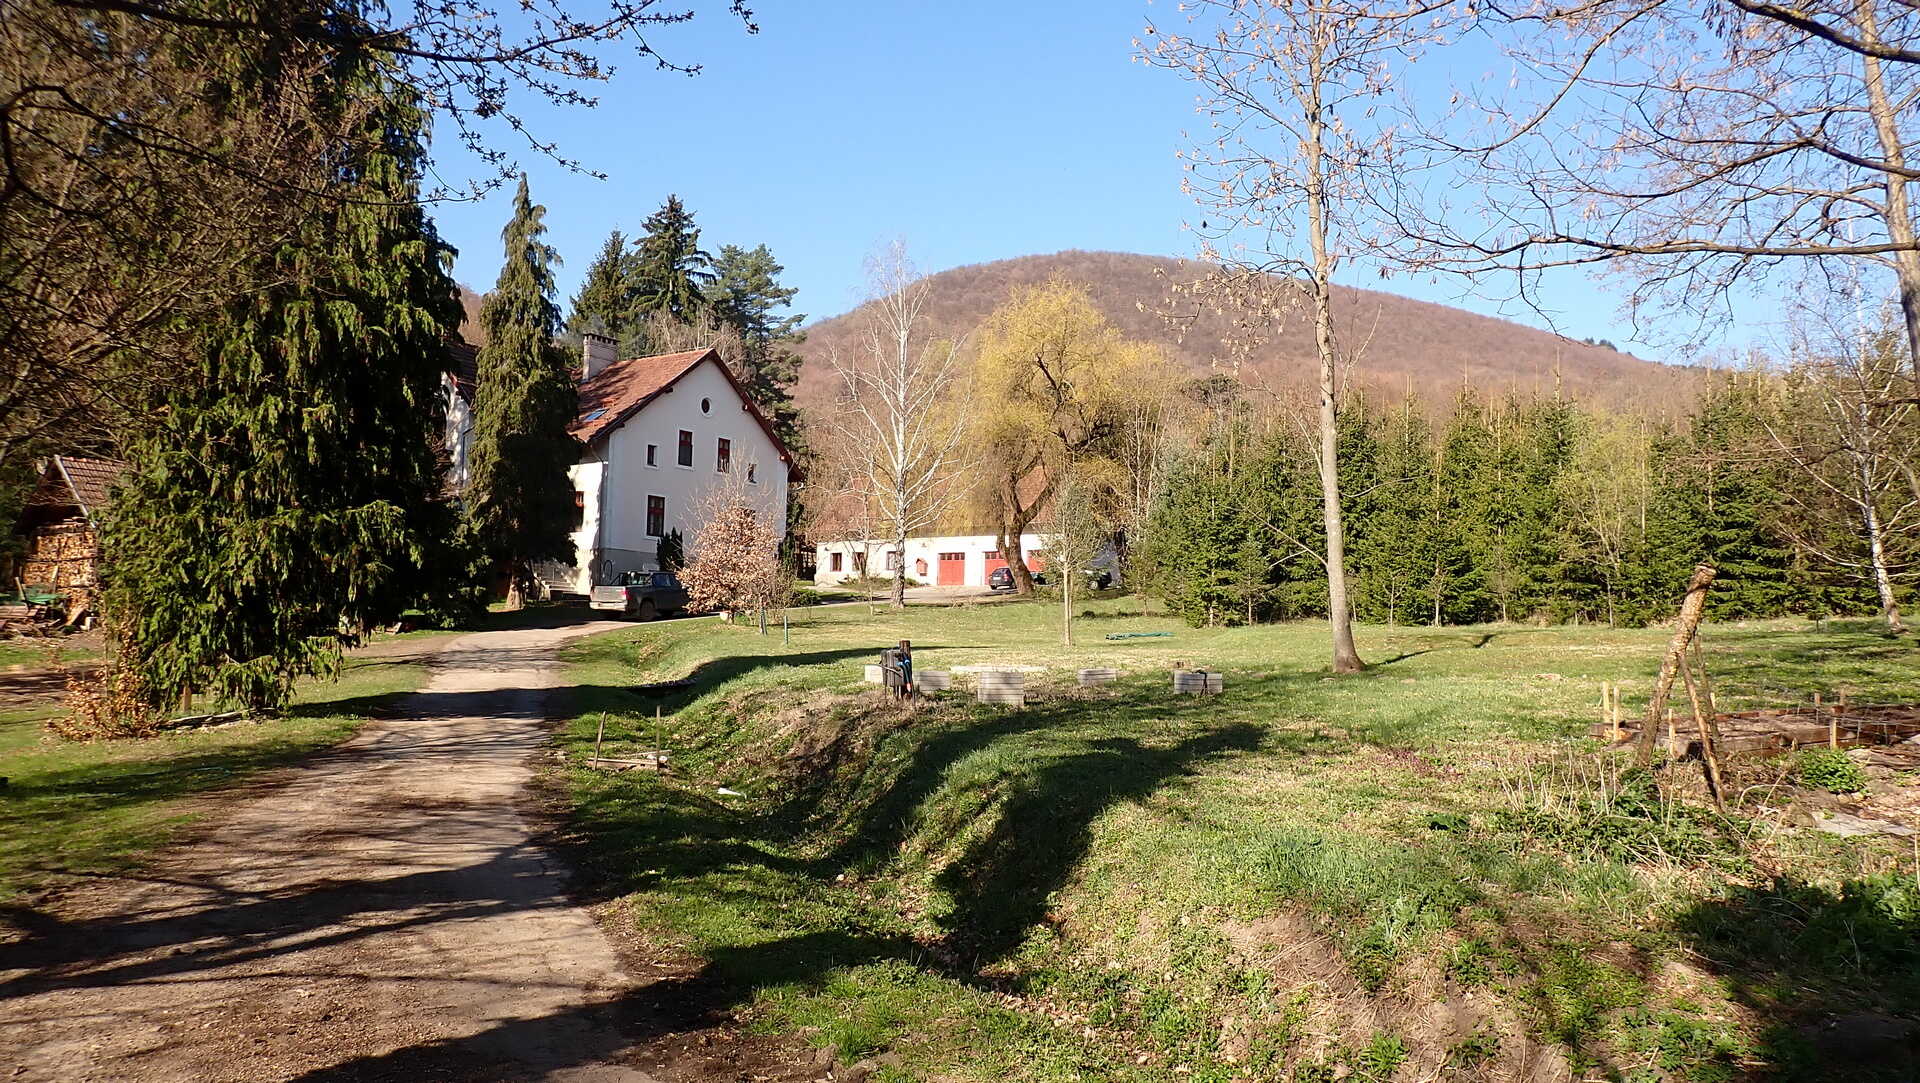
[
  {"x": 900, "y": 569},
  {"x": 1691, "y": 610},
  {"x": 1066, "y": 607},
  {"x": 516, "y": 597},
  {"x": 1899, "y": 212},
  {"x": 1876, "y": 547},
  {"x": 1346, "y": 659}
]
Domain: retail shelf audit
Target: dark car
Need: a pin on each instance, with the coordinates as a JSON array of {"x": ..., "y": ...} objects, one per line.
[
  {"x": 1000, "y": 579},
  {"x": 644, "y": 595}
]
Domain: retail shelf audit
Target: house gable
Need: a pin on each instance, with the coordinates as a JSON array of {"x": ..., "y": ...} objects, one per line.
[{"x": 615, "y": 394}]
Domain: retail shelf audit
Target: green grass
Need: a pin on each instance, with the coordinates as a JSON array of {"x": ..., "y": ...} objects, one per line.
[
  {"x": 1291, "y": 880},
  {"x": 40, "y": 653},
  {"x": 92, "y": 808}
]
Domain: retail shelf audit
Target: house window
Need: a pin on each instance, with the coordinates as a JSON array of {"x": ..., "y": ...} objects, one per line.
[
  {"x": 653, "y": 454},
  {"x": 706, "y": 406},
  {"x": 723, "y": 456},
  {"x": 686, "y": 448},
  {"x": 656, "y": 516},
  {"x": 579, "y": 509},
  {"x": 834, "y": 562},
  {"x": 753, "y": 473},
  {"x": 860, "y": 563},
  {"x": 893, "y": 561}
]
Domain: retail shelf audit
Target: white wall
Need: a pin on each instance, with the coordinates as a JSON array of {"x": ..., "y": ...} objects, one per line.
[
  {"x": 975, "y": 546},
  {"x": 458, "y": 433},
  {"x": 617, "y": 480}
]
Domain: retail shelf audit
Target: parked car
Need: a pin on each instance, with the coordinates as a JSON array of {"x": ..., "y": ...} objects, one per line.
[
  {"x": 642, "y": 595},
  {"x": 1000, "y": 579}
]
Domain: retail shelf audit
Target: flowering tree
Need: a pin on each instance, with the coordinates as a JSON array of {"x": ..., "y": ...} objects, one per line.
[{"x": 736, "y": 562}]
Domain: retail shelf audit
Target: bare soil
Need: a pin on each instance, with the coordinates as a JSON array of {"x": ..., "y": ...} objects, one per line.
[{"x": 385, "y": 911}]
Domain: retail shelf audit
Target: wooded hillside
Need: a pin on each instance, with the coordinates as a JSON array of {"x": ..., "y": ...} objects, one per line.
[{"x": 1428, "y": 348}]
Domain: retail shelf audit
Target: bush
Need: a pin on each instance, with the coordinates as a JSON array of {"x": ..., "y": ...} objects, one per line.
[
  {"x": 109, "y": 705},
  {"x": 1831, "y": 770}
]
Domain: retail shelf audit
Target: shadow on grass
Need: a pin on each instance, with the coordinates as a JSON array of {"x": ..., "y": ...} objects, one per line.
[{"x": 1833, "y": 972}]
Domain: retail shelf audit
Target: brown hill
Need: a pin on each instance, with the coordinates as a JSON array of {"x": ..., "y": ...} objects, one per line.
[{"x": 1410, "y": 345}]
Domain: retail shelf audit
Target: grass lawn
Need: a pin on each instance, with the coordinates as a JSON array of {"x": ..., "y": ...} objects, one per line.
[
  {"x": 37, "y": 653},
  {"x": 89, "y": 808},
  {"x": 1422, "y": 871}
]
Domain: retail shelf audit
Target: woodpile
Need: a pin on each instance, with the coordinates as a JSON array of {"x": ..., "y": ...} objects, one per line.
[
  {"x": 1775, "y": 730},
  {"x": 61, "y": 555}
]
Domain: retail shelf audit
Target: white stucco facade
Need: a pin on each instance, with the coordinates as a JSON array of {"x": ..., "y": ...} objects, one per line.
[
  {"x": 967, "y": 558},
  {"x": 618, "y": 480},
  {"x": 458, "y": 433}
]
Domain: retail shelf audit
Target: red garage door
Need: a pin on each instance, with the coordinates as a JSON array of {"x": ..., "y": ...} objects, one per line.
[
  {"x": 953, "y": 569},
  {"x": 995, "y": 560}
]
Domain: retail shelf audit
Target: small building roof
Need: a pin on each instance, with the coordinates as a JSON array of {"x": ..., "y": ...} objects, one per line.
[
  {"x": 464, "y": 358},
  {"x": 72, "y": 481}
]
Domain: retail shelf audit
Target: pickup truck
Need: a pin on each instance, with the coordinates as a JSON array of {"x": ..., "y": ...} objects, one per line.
[{"x": 643, "y": 595}]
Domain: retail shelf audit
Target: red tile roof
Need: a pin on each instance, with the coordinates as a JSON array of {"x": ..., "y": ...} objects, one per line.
[{"x": 623, "y": 388}]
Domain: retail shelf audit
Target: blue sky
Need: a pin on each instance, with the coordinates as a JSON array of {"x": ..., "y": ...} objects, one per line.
[{"x": 975, "y": 131}]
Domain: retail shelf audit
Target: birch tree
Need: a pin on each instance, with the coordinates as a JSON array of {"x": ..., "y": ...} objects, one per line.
[
  {"x": 904, "y": 398},
  {"x": 1288, "y": 177},
  {"x": 1852, "y": 432}
]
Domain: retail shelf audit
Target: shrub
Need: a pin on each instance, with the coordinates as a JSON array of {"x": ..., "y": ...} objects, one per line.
[
  {"x": 1831, "y": 770},
  {"x": 112, "y": 703}
]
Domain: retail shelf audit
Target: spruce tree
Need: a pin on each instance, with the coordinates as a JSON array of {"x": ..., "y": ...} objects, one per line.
[
  {"x": 520, "y": 498},
  {"x": 285, "y": 498},
  {"x": 606, "y": 303},
  {"x": 670, "y": 272},
  {"x": 746, "y": 293}
]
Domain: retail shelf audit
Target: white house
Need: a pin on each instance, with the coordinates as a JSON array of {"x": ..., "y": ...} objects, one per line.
[
  {"x": 660, "y": 435},
  {"x": 953, "y": 560}
]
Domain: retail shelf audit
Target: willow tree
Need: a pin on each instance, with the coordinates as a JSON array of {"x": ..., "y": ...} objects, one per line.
[
  {"x": 1059, "y": 392},
  {"x": 519, "y": 496},
  {"x": 1292, "y": 176},
  {"x": 285, "y": 497}
]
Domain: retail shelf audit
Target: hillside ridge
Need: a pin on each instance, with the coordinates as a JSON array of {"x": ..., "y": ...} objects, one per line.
[{"x": 1424, "y": 347}]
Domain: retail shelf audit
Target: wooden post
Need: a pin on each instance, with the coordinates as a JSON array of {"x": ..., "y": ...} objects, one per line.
[
  {"x": 1692, "y": 608},
  {"x": 1710, "y": 763},
  {"x": 1673, "y": 738},
  {"x": 601, "y": 732}
]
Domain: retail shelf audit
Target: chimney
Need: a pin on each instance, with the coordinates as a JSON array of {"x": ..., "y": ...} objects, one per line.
[{"x": 596, "y": 353}]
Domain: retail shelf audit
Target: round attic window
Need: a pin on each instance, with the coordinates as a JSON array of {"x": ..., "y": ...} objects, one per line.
[{"x": 706, "y": 406}]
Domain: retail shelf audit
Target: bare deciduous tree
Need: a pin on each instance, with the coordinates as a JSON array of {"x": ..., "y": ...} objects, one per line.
[
  {"x": 1287, "y": 177},
  {"x": 904, "y": 399},
  {"x": 1694, "y": 150},
  {"x": 1852, "y": 430}
]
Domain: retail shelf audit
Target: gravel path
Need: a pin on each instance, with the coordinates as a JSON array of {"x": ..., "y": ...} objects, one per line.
[{"x": 380, "y": 913}]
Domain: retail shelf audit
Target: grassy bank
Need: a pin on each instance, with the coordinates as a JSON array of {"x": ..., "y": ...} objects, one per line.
[
  {"x": 90, "y": 808},
  {"x": 1424, "y": 870}
]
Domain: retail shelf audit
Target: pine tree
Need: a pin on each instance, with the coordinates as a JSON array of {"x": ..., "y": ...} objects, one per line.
[
  {"x": 606, "y": 303},
  {"x": 670, "y": 272},
  {"x": 285, "y": 498},
  {"x": 520, "y": 498}
]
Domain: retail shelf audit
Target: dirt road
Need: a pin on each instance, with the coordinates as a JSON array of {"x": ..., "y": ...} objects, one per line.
[{"x": 380, "y": 913}]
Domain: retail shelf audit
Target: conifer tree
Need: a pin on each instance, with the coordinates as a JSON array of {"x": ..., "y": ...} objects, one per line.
[
  {"x": 285, "y": 498},
  {"x": 670, "y": 272},
  {"x": 606, "y": 303},
  {"x": 746, "y": 294},
  {"x": 520, "y": 498}
]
